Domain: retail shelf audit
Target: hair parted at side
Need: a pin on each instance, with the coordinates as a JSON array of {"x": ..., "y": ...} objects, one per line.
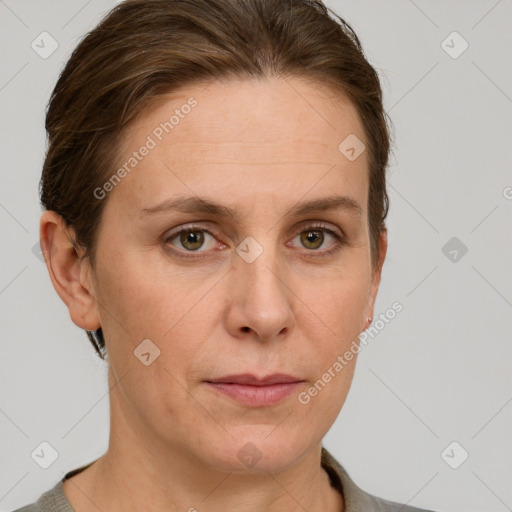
[{"x": 143, "y": 49}]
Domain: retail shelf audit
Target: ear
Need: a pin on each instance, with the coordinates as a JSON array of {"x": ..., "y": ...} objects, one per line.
[
  {"x": 377, "y": 271},
  {"x": 71, "y": 278}
]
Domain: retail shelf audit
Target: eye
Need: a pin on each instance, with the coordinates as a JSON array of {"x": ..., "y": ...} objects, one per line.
[
  {"x": 193, "y": 239},
  {"x": 313, "y": 238},
  {"x": 190, "y": 239}
]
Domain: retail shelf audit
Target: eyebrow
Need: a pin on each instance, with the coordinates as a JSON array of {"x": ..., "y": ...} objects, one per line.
[{"x": 201, "y": 205}]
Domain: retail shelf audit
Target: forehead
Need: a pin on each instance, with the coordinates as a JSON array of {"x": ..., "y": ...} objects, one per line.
[
  {"x": 243, "y": 136},
  {"x": 277, "y": 105}
]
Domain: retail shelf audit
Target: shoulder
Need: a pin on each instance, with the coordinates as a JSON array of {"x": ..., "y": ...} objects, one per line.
[
  {"x": 357, "y": 500},
  {"x": 53, "y": 500},
  {"x": 382, "y": 505}
]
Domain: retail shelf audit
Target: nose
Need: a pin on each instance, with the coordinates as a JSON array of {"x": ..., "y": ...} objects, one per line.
[{"x": 259, "y": 304}]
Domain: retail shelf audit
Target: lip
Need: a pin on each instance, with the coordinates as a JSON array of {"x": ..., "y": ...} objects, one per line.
[
  {"x": 255, "y": 391},
  {"x": 253, "y": 380}
]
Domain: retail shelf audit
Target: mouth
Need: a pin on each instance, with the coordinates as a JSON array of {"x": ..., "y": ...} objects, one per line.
[{"x": 254, "y": 391}]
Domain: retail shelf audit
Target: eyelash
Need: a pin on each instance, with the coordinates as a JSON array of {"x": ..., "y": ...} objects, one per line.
[{"x": 339, "y": 241}]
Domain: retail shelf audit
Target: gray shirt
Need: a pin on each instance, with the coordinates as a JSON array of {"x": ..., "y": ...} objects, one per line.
[{"x": 356, "y": 500}]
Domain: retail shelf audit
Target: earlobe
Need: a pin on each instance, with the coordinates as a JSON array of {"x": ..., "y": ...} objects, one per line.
[{"x": 70, "y": 277}]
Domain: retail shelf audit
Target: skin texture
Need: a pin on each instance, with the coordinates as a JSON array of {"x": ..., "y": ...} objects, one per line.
[{"x": 260, "y": 146}]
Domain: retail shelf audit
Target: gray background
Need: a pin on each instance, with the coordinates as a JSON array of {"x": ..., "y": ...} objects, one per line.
[{"x": 439, "y": 372}]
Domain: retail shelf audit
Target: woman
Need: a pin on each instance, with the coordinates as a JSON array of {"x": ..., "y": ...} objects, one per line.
[{"x": 215, "y": 202}]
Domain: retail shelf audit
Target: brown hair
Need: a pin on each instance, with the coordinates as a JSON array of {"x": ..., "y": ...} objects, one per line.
[{"x": 143, "y": 49}]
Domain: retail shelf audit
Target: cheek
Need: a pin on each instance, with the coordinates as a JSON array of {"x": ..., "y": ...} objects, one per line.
[
  {"x": 140, "y": 301},
  {"x": 338, "y": 303},
  {"x": 332, "y": 328},
  {"x": 169, "y": 310},
  {"x": 141, "y": 309}
]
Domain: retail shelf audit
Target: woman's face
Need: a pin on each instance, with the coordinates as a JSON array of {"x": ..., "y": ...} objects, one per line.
[{"x": 259, "y": 284}]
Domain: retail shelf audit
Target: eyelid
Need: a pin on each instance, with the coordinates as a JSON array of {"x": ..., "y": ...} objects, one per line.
[
  {"x": 214, "y": 230},
  {"x": 320, "y": 224},
  {"x": 206, "y": 226}
]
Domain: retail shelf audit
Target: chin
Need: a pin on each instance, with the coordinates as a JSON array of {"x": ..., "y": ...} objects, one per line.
[{"x": 259, "y": 449}]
